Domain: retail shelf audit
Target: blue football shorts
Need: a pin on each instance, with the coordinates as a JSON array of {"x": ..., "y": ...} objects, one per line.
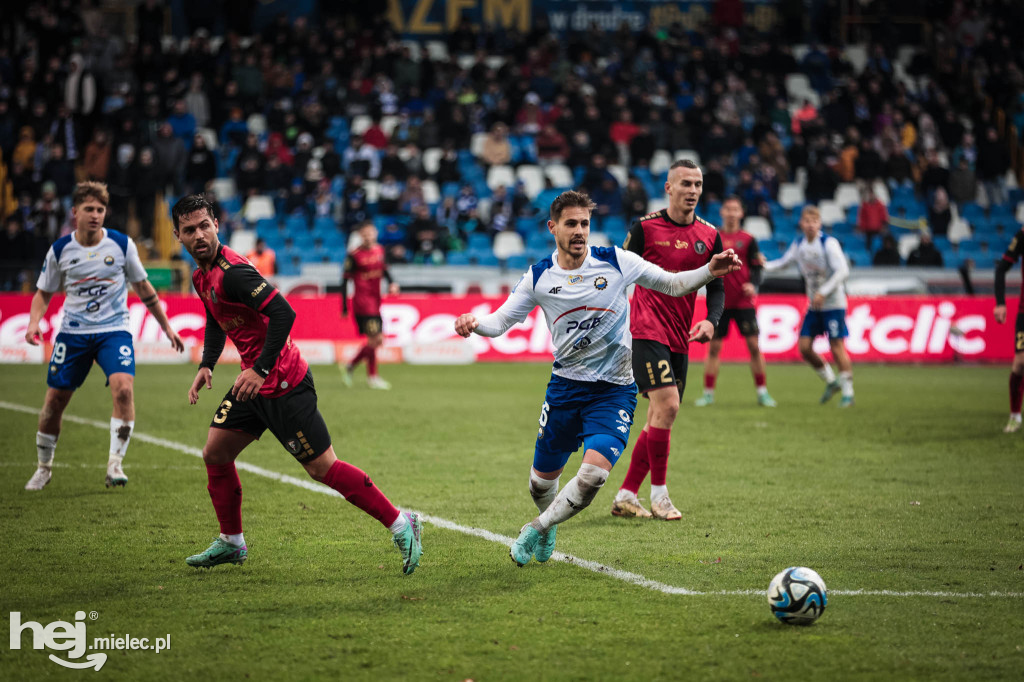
[
  {"x": 596, "y": 414},
  {"x": 73, "y": 355},
  {"x": 831, "y": 322}
]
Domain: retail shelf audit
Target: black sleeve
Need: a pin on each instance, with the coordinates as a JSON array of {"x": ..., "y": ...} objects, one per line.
[
  {"x": 386, "y": 274},
  {"x": 350, "y": 266},
  {"x": 756, "y": 271},
  {"x": 635, "y": 239},
  {"x": 213, "y": 342},
  {"x": 1003, "y": 265},
  {"x": 716, "y": 290},
  {"x": 243, "y": 284}
]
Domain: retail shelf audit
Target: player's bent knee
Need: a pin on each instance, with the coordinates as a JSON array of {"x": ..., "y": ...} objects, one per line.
[
  {"x": 317, "y": 468},
  {"x": 589, "y": 481}
]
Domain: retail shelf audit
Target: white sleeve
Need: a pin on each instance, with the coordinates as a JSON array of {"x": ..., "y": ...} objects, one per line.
[
  {"x": 49, "y": 278},
  {"x": 133, "y": 267},
  {"x": 516, "y": 307},
  {"x": 837, "y": 261},
  {"x": 647, "y": 274},
  {"x": 783, "y": 261}
]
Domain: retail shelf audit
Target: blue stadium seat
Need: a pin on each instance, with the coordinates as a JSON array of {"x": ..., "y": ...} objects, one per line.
[
  {"x": 324, "y": 224},
  {"x": 482, "y": 257},
  {"x": 971, "y": 212},
  {"x": 769, "y": 248},
  {"x": 541, "y": 240},
  {"x": 296, "y": 223},
  {"x": 479, "y": 242},
  {"x": 519, "y": 263},
  {"x": 526, "y": 226},
  {"x": 457, "y": 258}
]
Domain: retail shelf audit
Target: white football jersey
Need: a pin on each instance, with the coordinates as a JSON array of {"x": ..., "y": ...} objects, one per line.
[
  {"x": 587, "y": 309},
  {"x": 95, "y": 280},
  {"x": 823, "y": 266}
]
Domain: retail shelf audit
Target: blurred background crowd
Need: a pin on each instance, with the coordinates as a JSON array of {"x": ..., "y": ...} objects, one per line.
[{"x": 454, "y": 147}]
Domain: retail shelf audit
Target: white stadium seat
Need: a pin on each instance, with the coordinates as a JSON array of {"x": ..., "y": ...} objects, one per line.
[
  {"x": 560, "y": 175},
  {"x": 757, "y": 227},
  {"x": 224, "y": 188},
  {"x": 501, "y": 176},
  {"x": 621, "y": 173},
  {"x": 431, "y": 193},
  {"x": 258, "y": 207},
  {"x": 507, "y": 244},
  {"x": 476, "y": 144},
  {"x": 243, "y": 241},
  {"x": 660, "y": 162},
  {"x": 831, "y": 213},
  {"x": 848, "y": 194},
  {"x": 432, "y": 159},
  {"x": 691, "y": 154},
  {"x": 360, "y": 124},
  {"x": 533, "y": 179},
  {"x": 791, "y": 194}
]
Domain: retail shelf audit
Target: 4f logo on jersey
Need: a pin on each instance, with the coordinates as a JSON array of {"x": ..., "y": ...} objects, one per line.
[
  {"x": 575, "y": 279},
  {"x": 554, "y": 290},
  {"x": 600, "y": 283},
  {"x": 700, "y": 248}
]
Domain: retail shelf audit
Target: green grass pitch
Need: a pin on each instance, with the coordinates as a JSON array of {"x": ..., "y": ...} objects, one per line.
[{"x": 916, "y": 491}]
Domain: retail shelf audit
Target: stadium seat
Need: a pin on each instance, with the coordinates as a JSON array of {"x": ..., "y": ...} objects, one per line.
[
  {"x": 479, "y": 241},
  {"x": 757, "y": 227},
  {"x": 881, "y": 191},
  {"x": 243, "y": 241},
  {"x": 501, "y": 176},
  {"x": 691, "y": 154},
  {"x": 324, "y": 224},
  {"x": 476, "y": 144},
  {"x": 540, "y": 240},
  {"x": 431, "y": 194},
  {"x": 831, "y": 212},
  {"x": 560, "y": 175},
  {"x": 532, "y": 178},
  {"x": 660, "y": 162},
  {"x": 620, "y": 173},
  {"x": 482, "y": 257},
  {"x": 508, "y": 244},
  {"x": 599, "y": 239},
  {"x": 457, "y": 258},
  {"x": 224, "y": 188},
  {"x": 209, "y": 136},
  {"x": 847, "y": 194},
  {"x": 372, "y": 188},
  {"x": 296, "y": 223},
  {"x": 388, "y": 124},
  {"x": 360, "y": 124},
  {"x": 518, "y": 263},
  {"x": 257, "y": 124},
  {"x": 791, "y": 195},
  {"x": 432, "y": 159},
  {"x": 958, "y": 230},
  {"x": 257, "y": 207}
]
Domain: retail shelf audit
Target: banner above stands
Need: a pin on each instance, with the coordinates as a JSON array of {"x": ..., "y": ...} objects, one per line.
[
  {"x": 889, "y": 329},
  {"x": 434, "y": 19}
]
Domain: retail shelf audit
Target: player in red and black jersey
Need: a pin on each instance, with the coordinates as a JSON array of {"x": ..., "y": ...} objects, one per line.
[
  {"x": 676, "y": 239},
  {"x": 740, "y": 290},
  {"x": 1014, "y": 251},
  {"x": 365, "y": 265},
  {"x": 273, "y": 391}
]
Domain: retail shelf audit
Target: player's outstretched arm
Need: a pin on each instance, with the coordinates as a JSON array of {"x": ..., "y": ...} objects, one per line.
[
  {"x": 149, "y": 297},
  {"x": 203, "y": 377},
  {"x": 723, "y": 263},
  {"x": 465, "y": 324},
  {"x": 515, "y": 309},
  {"x": 649, "y": 275},
  {"x": 40, "y": 302}
]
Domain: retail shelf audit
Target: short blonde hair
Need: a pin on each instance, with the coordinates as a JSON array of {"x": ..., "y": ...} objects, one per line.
[
  {"x": 810, "y": 212},
  {"x": 90, "y": 190}
]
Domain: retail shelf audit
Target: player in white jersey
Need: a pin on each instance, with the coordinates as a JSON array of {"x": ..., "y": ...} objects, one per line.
[
  {"x": 822, "y": 263},
  {"x": 94, "y": 266},
  {"x": 591, "y": 396}
]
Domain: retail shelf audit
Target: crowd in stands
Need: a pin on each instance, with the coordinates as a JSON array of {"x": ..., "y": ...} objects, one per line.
[{"x": 455, "y": 148}]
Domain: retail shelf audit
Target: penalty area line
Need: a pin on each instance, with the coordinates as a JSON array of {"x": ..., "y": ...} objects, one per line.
[{"x": 484, "y": 534}]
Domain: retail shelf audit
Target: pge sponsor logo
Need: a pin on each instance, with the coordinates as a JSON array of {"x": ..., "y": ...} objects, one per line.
[
  {"x": 93, "y": 290},
  {"x": 583, "y": 325}
]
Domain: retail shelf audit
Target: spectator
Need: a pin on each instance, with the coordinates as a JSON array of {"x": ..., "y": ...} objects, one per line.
[
  {"x": 925, "y": 254},
  {"x": 872, "y": 217},
  {"x": 263, "y": 258},
  {"x": 249, "y": 168},
  {"x": 822, "y": 182},
  {"x": 551, "y": 145},
  {"x": 96, "y": 160},
  {"x": 392, "y": 164},
  {"x": 388, "y": 195},
  {"x": 621, "y": 133},
  {"x": 79, "y": 88},
  {"x": 235, "y": 130},
  {"x": 183, "y": 124},
  {"x": 933, "y": 175},
  {"x": 361, "y": 159},
  {"x": 496, "y": 148},
  {"x": 466, "y": 202},
  {"x": 939, "y": 213},
  {"x": 963, "y": 183},
  {"x": 375, "y": 135},
  {"x": 48, "y": 214},
  {"x": 171, "y": 157},
  {"x": 60, "y": 171},
  {"x": 148, "y": 184},
  {"x": 642, "y": 148},
  {"x": 634, "y": 199},
  {"x": 993, "y": 163},
  {"x": 15, "y": 254},
  {"x": 355, "y": 206},
  {"x": 25, "y": 150},
  {"x": 427, "y": 239},
  {"x": 121, "y": 187},
  {"x": 412, "y": 195},
  {"x": 197, "y": 104},
  {"x": 530, "y": 118},
  {"x": 888, "y": 255},
  {"x": 201, "y": 167}
]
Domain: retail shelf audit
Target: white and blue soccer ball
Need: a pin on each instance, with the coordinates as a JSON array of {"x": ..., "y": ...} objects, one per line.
[{"x": 797, "y": 596}]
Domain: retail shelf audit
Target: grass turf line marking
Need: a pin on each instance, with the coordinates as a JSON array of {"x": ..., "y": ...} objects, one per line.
[{"x": 484, "y": 534}]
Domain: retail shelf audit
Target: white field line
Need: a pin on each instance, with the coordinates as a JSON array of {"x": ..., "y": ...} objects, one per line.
[{"x": 601, "y": 569}]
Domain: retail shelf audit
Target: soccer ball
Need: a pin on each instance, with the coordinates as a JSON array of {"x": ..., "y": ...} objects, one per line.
[{"x": 797, "y": 596}]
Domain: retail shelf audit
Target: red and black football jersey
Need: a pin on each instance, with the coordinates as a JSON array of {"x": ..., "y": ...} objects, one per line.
[
  {"x": 365, "y": 267},
  {"x": 746, "y": 248},
  {"x": 674, "y": 247},
  {"x": 234, "y": 293}
]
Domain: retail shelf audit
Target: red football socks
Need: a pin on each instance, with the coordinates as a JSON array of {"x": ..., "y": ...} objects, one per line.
[
  {"x": 1016, "y": 392},
  {"x": 226, "y": 493},
  {"x": 638, "y": 465},
  {"x": 356, "y": 486},
  {"x": 657, "y": 453},
  {"x": 760, "y": 380},
  {"x": 709, "y": 381},
  {"x": 371, "y": 361},
  {"x": 363, "y": 354}
]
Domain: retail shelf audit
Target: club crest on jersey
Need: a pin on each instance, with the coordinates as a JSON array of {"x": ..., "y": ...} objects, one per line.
[
  {"x": 680, "y": 244},
  {"x": 109, "y": 260},
  {"x": 575, "y": 279},
  {"x": 600, "y": 283},
  {"x": 293, "y": 446},
  {"x": 700, "y": 248}
]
